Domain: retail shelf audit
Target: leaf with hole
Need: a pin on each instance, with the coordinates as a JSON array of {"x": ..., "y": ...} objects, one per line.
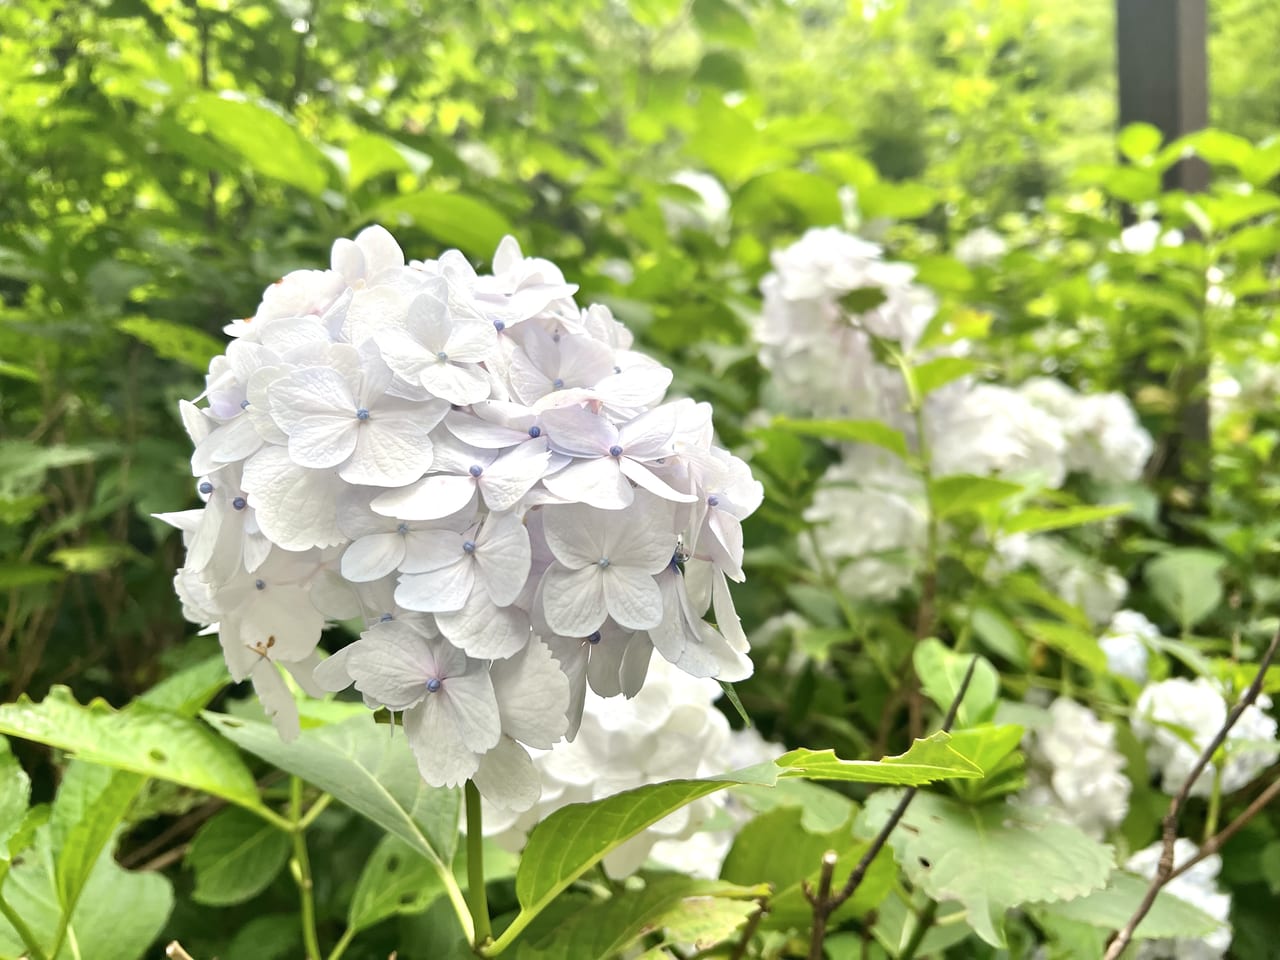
[{"x": 927, "y": 760}]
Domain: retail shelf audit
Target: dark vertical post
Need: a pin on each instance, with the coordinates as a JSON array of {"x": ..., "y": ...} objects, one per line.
[{"x": 1162, "y": 62}]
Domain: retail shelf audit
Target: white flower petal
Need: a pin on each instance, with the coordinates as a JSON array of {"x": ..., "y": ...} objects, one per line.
[
  {"x": 432, "y": 498},
  {"x": 598, "y": 482},
  {"x": 579, "y": 432},
  {"x": 390, "y": 451},
  {"x": 295, "y": 508},
  {"x": 573, "y": 600},
  {"x": 277, "y": 701},
  {"x": 506, "y": 777},
  {"x": 322, "y": 441},
  {"x": 533, "y": 696},
  {"x": 574, "y": 534},
  {"x": 632, "y": 597},
  {"x": 437, "y": 591},
  {"x": 435, "y": 737},
  {"x": 373, "y": 557},
  {"x": 512, "y": 475},
  {"x": 644, "y": 477},
  {"x": 486, "y": 631},
  {"x": 504, "y": 555}
]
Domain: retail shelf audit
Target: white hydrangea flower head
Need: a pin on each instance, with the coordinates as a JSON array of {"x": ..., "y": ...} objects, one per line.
[
  {"x": 670, "y": 729},
  {"x": 1075, "y": 769},
  {"x": 1104, "y": 439},
  {"x": 483, "y": 473},
  {"x": 1126, "y": 642},
  {"x": 1177, "y": 718},
  {"x": 1096, "y": 589},
  {"x": 997, "y": 431},
  {"x": 980, "y": 247},
  {"x": 871, "y": 519},
  {"x": 1198, "y": 887}
]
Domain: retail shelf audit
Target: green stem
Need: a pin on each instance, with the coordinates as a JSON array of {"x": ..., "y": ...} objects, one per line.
[
  {"x": 316, "y": 809},
  {"x": 477, "y": 900},
  {"x": 1215, "y": 804},
  {"x": 302, "y": 870},
  {"x": 340, "y": 947},
  {"x": 924, "y": 921},
  {"x": 24, "y": 932}
]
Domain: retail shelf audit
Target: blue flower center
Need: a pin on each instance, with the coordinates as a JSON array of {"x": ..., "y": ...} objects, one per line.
[
  {"x": 594, "y": 638},
  {"x": 535, "y": 432},
  {"x": 402, "y": 529},
  {"x": 602, "y": 562},
  {"x": 713, "y": 501},
  {"x": 362, "y": 414},
  {"x": 385, "y": 617},
  {"x": 557, "y": 383},
  {"x": 615, "y": 451},
  {"x": 468, "y": 546},
  {"x": 206, "y": 488},
  {"x": 433, "y": 685},
  {"x": 475, "y": 470},
  {"x": 243, "y": 404},
  {"x": 442, "y": 356},
  {"x": 499, "y": 325},
  {"x": 260, "y": 584},
  {"x": 239, "y": 503}
]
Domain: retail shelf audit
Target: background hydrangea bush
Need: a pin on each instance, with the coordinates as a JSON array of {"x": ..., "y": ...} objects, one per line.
[{"x": 989, "y": 404}]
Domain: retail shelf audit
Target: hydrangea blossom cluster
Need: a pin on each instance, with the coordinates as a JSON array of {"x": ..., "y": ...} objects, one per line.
[
  {"x": 1198, "y": 887},
  {"x": 669, "y": 730},
  {"x": 829, "y": 297},
  {"x": 1177, "y": 718},
  {"x": 1127, "y": 644},
  {"x": 487, "y": 476},
  {"x": 1075, "y": 769}
]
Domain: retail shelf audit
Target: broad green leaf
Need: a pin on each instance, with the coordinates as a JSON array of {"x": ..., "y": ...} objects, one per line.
[
  {"x": 994, "y": 748},
  {"x": 991, "y": 857},
  {"x": 396, "y": 879},
  {"x": 94, "y": 558},
  {"x": 15, "y": 794},
  {"x": 92, "y": 802},
  {"x": 822, "y": 809},
  {"x": 722, "y": 20},
  {"x": 23, "y": 464},
  {"x": 270, "y": 144},
  {"x": 1040, "y": 519},
  {"x": 941, "y": 672},
  {"x": 848, "y": 431},
  {"x": 453, "y": 219},
  {"x": 607, "y": 928},
  {"x": 897, "y": 201},
  {"x": 189, "y": 691},
  {"x": 1218, "y": 147},
  {"x": 964, "y": 492},
  {"x": 940, "y": 371},
  {"x": 704, "y": 920},
  {"x": 1113, "y": 905},
  {"x": 118, "y": 917},
  {"x": 1069, "y": 640},
  {"x": 896, "y": 922},
  {"x": 774, "y": 848},
  {"x": 999, "y": 635},
  {"x": 575, "y": 838},
  {"x": 1139, "y": 141},
  {"x": 141, "y": 739},
  {"x": 1187, "y": 582},
  {"x": 929, "y": 759},
  {"x": 235, "y": 856},
  {"x": 366, "y": 766},
  {"x": 174, "y": 341},
  {"x": 370, "y": 155}
]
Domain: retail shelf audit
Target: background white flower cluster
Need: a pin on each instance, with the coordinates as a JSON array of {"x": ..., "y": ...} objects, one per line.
[
  {"x": 669, "y": 730},
  {"x": 484, "y": 474},
  {"x": 1198, "y": 887},
  {"x": 829, "y": 298}
]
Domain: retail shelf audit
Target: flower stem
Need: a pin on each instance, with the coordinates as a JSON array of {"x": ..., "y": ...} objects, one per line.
[
  {"x": 477, "y": 900},
  {"x": 24, "y": 932},
  {"x": 302, "y": 870}
]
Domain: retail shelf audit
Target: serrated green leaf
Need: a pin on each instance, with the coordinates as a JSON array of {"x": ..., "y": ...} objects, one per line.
[
  {"x": 189, "y": 691},
  {"x": 991, "y": 857},
  {"x": 999, "y": 635},
  {"x": 269, "y": 143},
  {"x": 848, "y": 431},
  {"x": 1139, "y": 141},
  {"x": 774, "y": 848},
  {"x": 940, "y": 371},
  {"x": 942, "y": 671},
  {"x": 929, "y": 759},
  {"x": 454, "y": 219},
  {"x": 92, "y": 802},
  {"x": 606, "y": 928},
  {"x": 396, "y": 879},
  {"x": 118, "y": 917},
  {"x": 822, "y": 809},
  {"x": 1040, "y": 519},
  {"x": 367, "y": 767},
  {"x": 235, "y": 856},
  {"x": 371, "y": 154},
  {"x": 575, "y": 838},
  {"x": 174, "y": 341},
  {"x": 1187, "y": 582},
  {"x": 15, "y": 794},
  {"x": 141, "y": 739},
  {"x": 962, "y": 492},
  {"x": 1070, "y": 641},
  {"x": 1112, "y": 906}
]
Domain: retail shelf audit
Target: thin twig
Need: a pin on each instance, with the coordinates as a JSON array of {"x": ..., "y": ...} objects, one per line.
[
  {"x": 1216, "y": 842},
  {"x": 174, "y": 951},
  {"x": 170, "y": 856},
  {"x": 823, "y": 903},
  {"x": 749, "y": 931},
  {"x": 1164, "y": 870}
]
